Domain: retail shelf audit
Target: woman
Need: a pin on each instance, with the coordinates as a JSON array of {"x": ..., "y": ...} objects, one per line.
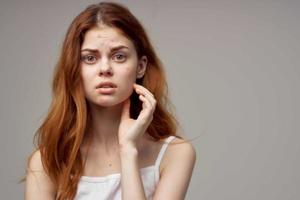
[{"x": 109, "y": 124}]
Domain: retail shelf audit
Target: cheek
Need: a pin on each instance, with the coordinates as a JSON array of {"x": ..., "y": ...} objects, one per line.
[
  {"x": 129, "y": 73},
  {"x": 87, "y": 73},
  {"x": 86, "y": 78}
]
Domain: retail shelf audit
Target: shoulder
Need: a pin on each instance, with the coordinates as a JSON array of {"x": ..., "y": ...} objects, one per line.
[
  {"x": 178, "y": 164},
  {"x": 38, "y": 183},
  {"x": 179, "y": 148},
  {"x": 35, "y": 162},
  {"x": 179, "y": 151},
  {"x": 182, "y": 144}
]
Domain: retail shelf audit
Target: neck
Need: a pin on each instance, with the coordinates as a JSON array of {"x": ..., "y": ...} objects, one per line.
[{"x": 105, "y": 125}]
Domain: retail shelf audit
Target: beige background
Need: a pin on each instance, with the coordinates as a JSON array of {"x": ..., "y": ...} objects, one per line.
[{"x": 233, "y": 69}]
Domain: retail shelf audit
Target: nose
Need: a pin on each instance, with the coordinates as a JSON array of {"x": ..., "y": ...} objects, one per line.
[{"x": 105, "y": 68}]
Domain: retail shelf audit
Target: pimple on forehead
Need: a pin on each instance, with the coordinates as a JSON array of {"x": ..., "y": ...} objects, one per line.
[
  {"x": 111, "y": 41},
  {"x": 108, "y": 42},
  {"x": 107, "y": 37},
  {"x": 102, "y": 36}
]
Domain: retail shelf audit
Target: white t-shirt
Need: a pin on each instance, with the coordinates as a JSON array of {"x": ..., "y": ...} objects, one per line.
[{"x": 109, "y": 187}]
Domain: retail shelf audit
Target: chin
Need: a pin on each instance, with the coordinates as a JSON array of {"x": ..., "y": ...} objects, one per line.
[
  {"x": 106, "y": 103},
  {"x": 109, "y": 102}
]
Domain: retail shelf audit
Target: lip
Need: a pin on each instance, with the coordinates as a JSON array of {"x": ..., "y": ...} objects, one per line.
[
  {"x": 106, "y": 85},
  {"x": 109, "y": 90}
]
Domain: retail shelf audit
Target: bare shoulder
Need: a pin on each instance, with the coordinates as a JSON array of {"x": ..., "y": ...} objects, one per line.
[
  {"x": 180, "y": 147},
  {"x": 179, "y": 151},
  {"x": 38, "y": 183},
  {"x": 181, "y": 143},
  {"x": 35, "y": 162},
  {"x": 177, "y": 168}
]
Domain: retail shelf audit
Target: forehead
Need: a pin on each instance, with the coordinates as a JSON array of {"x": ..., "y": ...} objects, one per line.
[{"x": 104, "y": 37}]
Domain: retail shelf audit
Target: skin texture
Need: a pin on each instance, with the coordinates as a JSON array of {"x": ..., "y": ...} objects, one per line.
[
  {"x": 119, "y": 67},
  {"x": 123, "y": 68},
  {"x": 114, "y": 132}
]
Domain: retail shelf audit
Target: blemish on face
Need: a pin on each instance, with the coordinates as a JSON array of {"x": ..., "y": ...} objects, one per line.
[{"x": 103, "y": 36}]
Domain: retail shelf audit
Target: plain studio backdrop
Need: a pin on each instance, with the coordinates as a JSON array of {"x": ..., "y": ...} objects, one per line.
[{"x": 234, "y": 75}]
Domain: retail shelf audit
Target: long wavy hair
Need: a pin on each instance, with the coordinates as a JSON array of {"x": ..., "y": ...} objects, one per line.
[{"x": 61, "y": 133}]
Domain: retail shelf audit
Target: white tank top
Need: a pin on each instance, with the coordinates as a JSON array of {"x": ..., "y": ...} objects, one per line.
[{"x": 109, "y": 187}]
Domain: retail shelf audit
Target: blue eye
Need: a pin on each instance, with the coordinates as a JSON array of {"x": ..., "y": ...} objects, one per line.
[
  {"x": 119, "y": 57},
  {"x": 89, "y": 59}
]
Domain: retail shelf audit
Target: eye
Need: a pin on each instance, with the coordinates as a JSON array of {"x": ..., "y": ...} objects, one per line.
[
  {"x": 119, "y": 57},
  {"x": 89, "y": 59}
]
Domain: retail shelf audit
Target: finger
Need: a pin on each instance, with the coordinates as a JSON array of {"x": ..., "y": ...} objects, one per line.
[
  {"x": 148, "y": 95},
  {"x": 146, "y": 102},
  {"x": 145, "y": 92},
  {"x": 142, "y": 89},
  {"x": 150, "y": 106},
  {"x": 146, "y": 113},
  {"x": 151, "y": 99}
]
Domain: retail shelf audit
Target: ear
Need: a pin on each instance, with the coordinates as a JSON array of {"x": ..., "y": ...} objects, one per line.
[{"x": 142, "y": 66}]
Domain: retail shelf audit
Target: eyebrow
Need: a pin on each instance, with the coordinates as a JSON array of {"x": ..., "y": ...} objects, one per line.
[{"x": 116, "y": 48}]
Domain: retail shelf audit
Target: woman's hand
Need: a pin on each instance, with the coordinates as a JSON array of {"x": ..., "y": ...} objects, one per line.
[{"x": 130, "y": 130}]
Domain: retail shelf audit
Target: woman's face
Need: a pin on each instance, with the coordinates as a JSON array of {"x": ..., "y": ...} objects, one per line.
[{"x": 109, "y": 58}]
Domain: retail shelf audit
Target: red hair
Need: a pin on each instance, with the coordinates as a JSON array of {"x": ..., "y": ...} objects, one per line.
[{"x": 61, "y": 134}]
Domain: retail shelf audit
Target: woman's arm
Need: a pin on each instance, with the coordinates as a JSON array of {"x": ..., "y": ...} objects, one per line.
[
  {"x": 130, "y": 130},
  {"x": 177, "y": 172},
  {"x": 175, "y": 177},
  {"x": 131, "y": 182},
  {"x": 38, "y": 184}
]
